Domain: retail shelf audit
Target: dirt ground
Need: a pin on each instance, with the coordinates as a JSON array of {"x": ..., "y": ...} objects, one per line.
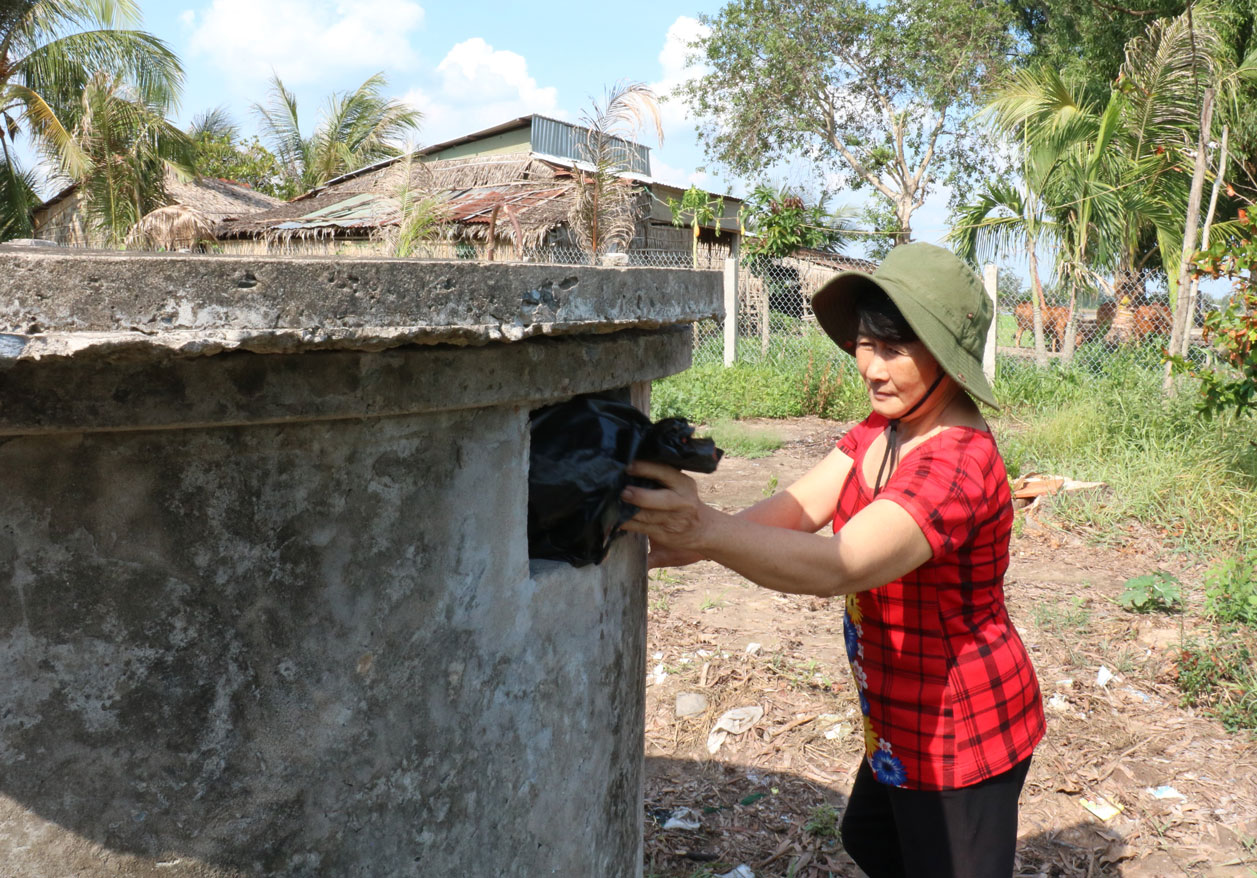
[{"x": 1183, "y": 790}]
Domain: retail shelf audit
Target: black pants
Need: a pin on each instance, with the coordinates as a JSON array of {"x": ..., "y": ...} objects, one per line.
[{"x": 965, "y": 833}]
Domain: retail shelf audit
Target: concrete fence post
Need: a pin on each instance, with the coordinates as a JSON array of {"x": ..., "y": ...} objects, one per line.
[
  {"x": 731, "y": 311},
  {"x": 990, "y": 280}
]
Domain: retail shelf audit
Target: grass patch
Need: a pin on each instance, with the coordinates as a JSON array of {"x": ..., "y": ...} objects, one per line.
[
  {"x": 799, "y": 373},
  {"x": 741, "y": 440},
  {"x": 1193, "y": 479}
]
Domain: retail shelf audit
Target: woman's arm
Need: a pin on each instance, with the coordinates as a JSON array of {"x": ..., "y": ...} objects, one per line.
[
  {"x": 807, "y": 505},
  {"x": 878, "y": 545}
]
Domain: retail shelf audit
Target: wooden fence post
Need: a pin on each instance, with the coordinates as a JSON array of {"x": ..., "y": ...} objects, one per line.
[
  {"x": 731, "y": 310},
  {"x": 990, "y": 280}
]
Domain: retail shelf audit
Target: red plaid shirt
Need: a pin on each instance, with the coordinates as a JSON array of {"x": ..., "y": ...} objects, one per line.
[{"x": 946, "y": 688}]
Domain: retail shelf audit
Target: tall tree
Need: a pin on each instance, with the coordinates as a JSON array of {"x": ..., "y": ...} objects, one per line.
[
  {"x": 879, "y": 91},
  {"x": 1086, "y": 42},
  {"x": 129, "y": 145},
  {"x": 1116, "y": 183},
  {"x": 222, "y": 153},
  {"x": 49, "y": 51},
  {"x": 357, "y": 128}
]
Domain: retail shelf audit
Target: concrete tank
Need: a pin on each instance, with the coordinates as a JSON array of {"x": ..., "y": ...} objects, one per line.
[{"x": 266, "y": 606}]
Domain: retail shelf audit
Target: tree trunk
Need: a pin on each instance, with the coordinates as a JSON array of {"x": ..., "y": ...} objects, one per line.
[
  {"x": 1194, "y": 291},
  {"x": 1179, "y": 328},
  {"x": 903, "y": 216},
  {"x": 1071, "y": 325},
  {"x": 1037, "y": 303},
  {"x": 1129, "y": 291},
  {"x": 493, "y": 233}
]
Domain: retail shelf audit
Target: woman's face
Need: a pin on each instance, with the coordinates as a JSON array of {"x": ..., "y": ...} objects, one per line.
[{"x": 897, "y": 374}]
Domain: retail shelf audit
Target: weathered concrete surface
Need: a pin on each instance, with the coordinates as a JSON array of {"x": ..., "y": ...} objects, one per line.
[
  {"x": 65, "y": 394},
  {"x": 61, "y": 303},
  {"x": 273, "y": 614}
]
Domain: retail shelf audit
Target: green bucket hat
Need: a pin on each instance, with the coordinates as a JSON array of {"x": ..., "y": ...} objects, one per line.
[{"x": 938, "y": 294}]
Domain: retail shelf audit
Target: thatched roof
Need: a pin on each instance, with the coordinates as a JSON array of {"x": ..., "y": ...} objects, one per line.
[
  {"x": 217, "y": 199},
  {"x": 833, "y": 261},
  {"x": 537, "y": 192},
  {"x": 177, "y": 227}
]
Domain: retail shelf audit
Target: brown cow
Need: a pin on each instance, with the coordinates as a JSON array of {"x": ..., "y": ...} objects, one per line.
[
  {"x": 1153, "y": 319},
  {"x": 1055, "y": 319},
  {"x": 1099, "y": 327}
]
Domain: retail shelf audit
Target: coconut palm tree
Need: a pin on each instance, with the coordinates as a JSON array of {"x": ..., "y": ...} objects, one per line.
[
  {"x": 1003, "y": 217},
  {"x": 1115, "y": 185},
  {"x": 49, "y": 51},
  {"x": 129, "y": 145},
  {"x": 358, "y": 128}
]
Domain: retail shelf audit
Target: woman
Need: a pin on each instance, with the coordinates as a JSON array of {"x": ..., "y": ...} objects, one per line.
[{"x": 921, "y": 513}]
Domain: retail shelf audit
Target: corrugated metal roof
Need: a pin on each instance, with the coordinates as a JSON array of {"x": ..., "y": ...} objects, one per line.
[
  {"x": 476, "y": 205},
  {"x": 364, "y": 210},
  {"x": 552, "y": 137}
]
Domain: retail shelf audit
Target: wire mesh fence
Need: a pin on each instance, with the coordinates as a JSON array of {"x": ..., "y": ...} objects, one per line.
[
  {"x": 1127, "y": 317},
  {"x": 1117, "y": 319}
]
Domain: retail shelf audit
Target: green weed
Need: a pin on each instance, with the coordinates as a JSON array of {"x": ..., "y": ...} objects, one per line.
[
  {"x": 1219, "y": 675},
  {"x": 711, "y": 603},
  {"x": 1231, "y": 590},
  {"x": 1158, "y": 591},
  {"x": 740, "y": 440},
  {"x": 1070, "y": 618},
  {"x": 823, "y": 822}
]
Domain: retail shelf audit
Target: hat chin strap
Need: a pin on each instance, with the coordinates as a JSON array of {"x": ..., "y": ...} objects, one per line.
[{"x": 891, "y": 454}]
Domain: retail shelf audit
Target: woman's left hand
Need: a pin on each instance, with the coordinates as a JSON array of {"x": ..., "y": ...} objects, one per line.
[{"x": 672, "y": 515}]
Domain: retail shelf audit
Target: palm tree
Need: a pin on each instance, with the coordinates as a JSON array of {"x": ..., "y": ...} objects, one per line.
[
  {"x": 604, "y": 211},
  {"x": 1004, "y": 216},
  {"x": 1113, "y": 182},
  {"x": 129, "y": 146},
  {"x": 49, "y": 52},
  {"x": 358, "y": 128}
]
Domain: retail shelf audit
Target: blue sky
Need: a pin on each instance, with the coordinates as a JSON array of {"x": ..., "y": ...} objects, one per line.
[{"x": 466, "y": 65}]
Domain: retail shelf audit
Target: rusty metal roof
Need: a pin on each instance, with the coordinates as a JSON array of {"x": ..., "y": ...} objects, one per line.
[
  {"x": 364, "y": 210},
  {"x": 476, "y": 205}
]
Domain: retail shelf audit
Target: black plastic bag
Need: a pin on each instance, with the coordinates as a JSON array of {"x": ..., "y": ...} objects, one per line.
[{"x": 580, "y": 451}]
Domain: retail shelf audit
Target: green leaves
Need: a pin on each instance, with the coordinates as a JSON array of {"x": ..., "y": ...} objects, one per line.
[
  {"x": 1230, "y": 384},
  {"x": 882, "y": 91},
  {"x": 52, "y": 54},
  {"x": 1153, "y": 592},
  {"x": 1231, "y": 590},
  {"x": 779, "y": 222},
  {"x": 357, "y": 129}
]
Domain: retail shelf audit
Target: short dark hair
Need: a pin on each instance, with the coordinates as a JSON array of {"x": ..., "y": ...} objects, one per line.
[{"x": 880, "y": 319}]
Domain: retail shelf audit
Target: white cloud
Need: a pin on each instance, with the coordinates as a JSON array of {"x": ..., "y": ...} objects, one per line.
[
  {"x": 676, "y": 71},
  {"x": 478, "y": 86},
  {"x": 679, "y": 177},
  {"x": 304, "y": 41}
]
